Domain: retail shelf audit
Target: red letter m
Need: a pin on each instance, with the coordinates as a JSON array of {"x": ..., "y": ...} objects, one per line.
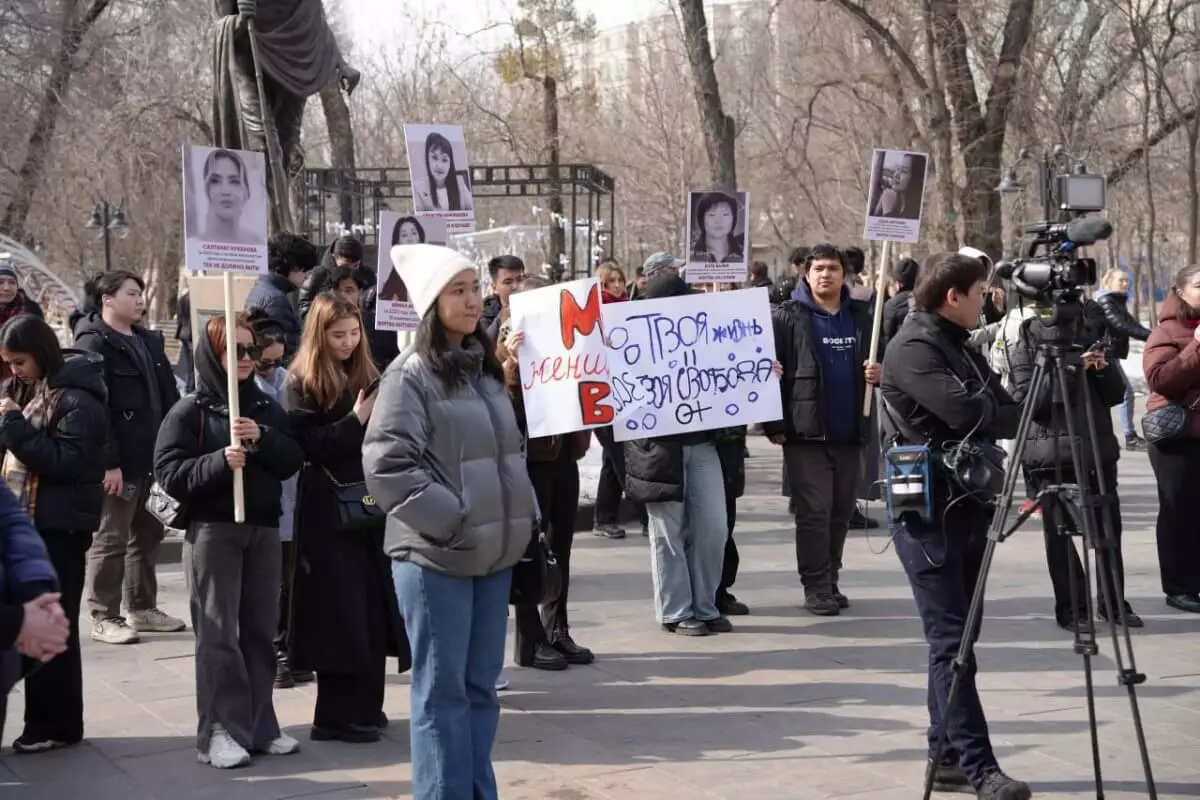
[{"x": 574, "y": 318}]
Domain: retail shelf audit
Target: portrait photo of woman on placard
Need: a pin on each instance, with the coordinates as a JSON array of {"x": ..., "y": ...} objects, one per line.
[
  {"x": 407, "y": 230},
  {"x": 224, "y": 202},
  {"x": 439, "y": 178},
  {"x": 898, "y": 181},
  {"x": 717, "y": 229}
]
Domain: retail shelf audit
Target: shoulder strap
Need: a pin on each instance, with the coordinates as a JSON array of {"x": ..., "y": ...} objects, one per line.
[{"x": 899, "y": 424}]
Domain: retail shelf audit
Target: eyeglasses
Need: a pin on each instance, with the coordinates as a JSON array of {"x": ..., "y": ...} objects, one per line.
[
  {"x": 252, "y": 352},
  {"x": 272, "y": 364}
]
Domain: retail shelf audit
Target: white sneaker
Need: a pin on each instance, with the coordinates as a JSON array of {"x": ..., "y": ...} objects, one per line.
[
  {"x": 113, "y": 631},
  {"x": 223, "y": 751},
  {"x": 154, "y": 621},
  {"x": 283, "y": 746}
]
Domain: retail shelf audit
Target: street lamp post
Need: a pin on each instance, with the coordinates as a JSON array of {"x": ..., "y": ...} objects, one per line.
[{"x": 108, "y": 221}]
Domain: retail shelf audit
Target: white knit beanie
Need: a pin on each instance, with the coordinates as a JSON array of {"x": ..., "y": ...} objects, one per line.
[{"x": 426, "y": 269}]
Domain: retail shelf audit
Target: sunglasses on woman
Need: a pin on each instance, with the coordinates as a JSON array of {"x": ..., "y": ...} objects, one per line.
[{"x": 250, "y": 351}]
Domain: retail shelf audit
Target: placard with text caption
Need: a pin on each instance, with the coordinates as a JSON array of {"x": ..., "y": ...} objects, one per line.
[{"x": 691, "y": 363}]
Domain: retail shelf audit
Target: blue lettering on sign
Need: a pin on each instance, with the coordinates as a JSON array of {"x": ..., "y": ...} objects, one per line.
[
  {"x": 737, "y": 330},
  {"x": 665, "y": 371}
]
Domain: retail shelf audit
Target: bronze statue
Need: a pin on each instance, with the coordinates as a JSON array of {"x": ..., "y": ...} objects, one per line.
[{"x": 297, "y": 56}]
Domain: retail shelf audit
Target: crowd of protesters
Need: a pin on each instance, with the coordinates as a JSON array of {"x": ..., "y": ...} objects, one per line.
[{"x": 379, "y": 523}]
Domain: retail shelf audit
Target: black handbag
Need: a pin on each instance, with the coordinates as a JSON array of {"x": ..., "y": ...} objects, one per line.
[
  {"x": 356, "y": 508},
  {"x": 537, "y": 577},
  {"x": 1172, "y": 421}
]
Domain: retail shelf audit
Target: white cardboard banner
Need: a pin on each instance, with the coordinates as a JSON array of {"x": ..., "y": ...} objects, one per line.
[
  {"x": 691, "y": 363},
  {"x": 563, "y": 360}
]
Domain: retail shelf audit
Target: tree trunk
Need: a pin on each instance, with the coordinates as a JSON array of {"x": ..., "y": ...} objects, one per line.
[
  {"x": 719, "y": 128},
  {"x": 558, "y": 233},
  {"x": 41, "y": 138},
  {"x": 341, "y": 150},
  {"x": 945, "y": 228}
]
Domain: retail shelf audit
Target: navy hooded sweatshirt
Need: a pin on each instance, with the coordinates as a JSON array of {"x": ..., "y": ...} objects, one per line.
[{"x": 835, "y": 343}]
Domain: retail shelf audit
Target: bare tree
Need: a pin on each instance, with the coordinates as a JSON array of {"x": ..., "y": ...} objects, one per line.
[{"x": 720, "y": 132}]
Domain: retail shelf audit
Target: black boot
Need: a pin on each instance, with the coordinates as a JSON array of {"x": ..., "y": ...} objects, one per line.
[
  {"x": 283, "y": 673},
  {"x": 573, "y": 653}
]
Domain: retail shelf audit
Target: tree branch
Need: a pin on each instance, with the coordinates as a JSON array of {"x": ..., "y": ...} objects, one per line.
[{"x": 1133, "y": 158}]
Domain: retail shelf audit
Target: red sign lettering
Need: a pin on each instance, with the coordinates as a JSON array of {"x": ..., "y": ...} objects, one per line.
[
  {"x": 573, "y": 318},
  {"x": 590, "y": 395}
]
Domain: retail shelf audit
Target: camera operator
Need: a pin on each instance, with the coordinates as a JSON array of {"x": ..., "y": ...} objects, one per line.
[
  {"x": 947, "y": 393},
  {"x": 1049, "y": 446}
]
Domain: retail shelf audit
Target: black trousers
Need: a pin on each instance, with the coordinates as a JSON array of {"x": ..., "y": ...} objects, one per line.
[
  {"x": 824, "y": 481},
  {"x": 612, "y": 480},
  {"x": 942, "y": 565},
  {"x": 1176, "y": 467},
  {"x": 54, "y": 690},
  {"x": 285, "y": 598},
  {"x": 345, "y": 699},
  {"x": 556, "y": 484},
  {"x": 1062, "y": 559},
  {"x": 729, "y": 567}
]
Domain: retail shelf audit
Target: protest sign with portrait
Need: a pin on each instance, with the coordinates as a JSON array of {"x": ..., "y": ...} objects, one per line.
[
  {"x": 718, "y": 241},
  {"x": 224, "y": 209},
  {"x": 895, "y": 196},
  {"x": 440, "y": 175}
]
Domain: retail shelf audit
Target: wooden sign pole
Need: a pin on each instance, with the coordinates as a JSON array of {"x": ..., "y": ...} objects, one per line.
[
  {"x": 885, "y": 256},
  {"x": 231, "y": 378}
]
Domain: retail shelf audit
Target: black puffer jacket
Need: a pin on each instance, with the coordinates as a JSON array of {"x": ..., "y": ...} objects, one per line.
[
  {"x": 68, "y": 452},
  {"x": 1112, "y": 309},
  {"x": 1048, "y": 442},
  {"x": 131, "y": 429},
  {"x": 318, "y": 281},
  {"x": 189, "y": 456}
]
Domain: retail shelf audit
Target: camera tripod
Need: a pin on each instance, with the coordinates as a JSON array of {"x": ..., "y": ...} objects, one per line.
[{"x": 1056, "y": 357}]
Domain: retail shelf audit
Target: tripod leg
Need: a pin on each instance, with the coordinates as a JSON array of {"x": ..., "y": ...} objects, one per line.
[
  {"x": 1108, "y": 579},
  {"x": 994, "y": 537}
]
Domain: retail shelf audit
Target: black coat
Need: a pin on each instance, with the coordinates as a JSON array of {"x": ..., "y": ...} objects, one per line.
[
  {"x": 942, "y": 388},
  {"x": 803, "y": 392},
  {"x": 318, "y": 281},
  {"x": 344, "y": 608},
  {"x": 189, "y": 459},
  {"x": 1048, "y": 444},
  {"x": 731, "y": 449},
  {"x": 68, "y": 452},
  {"x": 131, "y": 432},
  {"x": 895, "y": 311},
  {"x": 1111, "y": 310},
  {"x": 384, "y": 344}
]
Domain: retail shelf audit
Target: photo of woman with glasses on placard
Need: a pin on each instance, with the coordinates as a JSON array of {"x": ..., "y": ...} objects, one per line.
[
  {"x": 439, "y": 184},
  {"x": 716, "y": 234}
]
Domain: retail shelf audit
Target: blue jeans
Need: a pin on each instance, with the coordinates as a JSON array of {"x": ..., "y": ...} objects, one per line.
[
  {"x": 687, "y": 541},
  {"x": 456, "y": 628},
  {"x": 942, "y": 567}
]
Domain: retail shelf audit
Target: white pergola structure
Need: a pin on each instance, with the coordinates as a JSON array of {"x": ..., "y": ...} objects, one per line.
[{"x": 56, "y": 298}]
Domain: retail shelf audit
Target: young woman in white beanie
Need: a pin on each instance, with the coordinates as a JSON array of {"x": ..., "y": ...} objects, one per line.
[{"x": 443, "y": 458}]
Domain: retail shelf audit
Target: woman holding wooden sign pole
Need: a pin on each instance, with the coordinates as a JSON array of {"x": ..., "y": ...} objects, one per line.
[{"x": 232, "y": 568}]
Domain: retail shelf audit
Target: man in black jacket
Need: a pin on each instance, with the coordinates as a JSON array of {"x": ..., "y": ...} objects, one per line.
[
  {"x": 821, "y": 338},
  {"x": 895, "y": 310},
  {"x": 346, "y": 251},
  {"x": 290, "y": 259},
  {"x": 506, "y": 274},
  {"x": 141, "y": 390},
  {"x": 1049, "y": 446},
  {"x": 946, "y": 393}
]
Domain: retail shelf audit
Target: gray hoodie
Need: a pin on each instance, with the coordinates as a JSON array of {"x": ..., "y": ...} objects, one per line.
[{"x": 448, "y": 469}]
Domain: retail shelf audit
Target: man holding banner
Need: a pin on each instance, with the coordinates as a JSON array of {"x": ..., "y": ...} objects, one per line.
[{"x": 821, "y": 338}]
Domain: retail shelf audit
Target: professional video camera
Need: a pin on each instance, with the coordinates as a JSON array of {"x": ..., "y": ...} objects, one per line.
[{"x": 1052, "y": 273}]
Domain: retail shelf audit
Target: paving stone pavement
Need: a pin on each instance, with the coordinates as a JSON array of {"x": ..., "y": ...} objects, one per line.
[{"x": 789, "y": 707}]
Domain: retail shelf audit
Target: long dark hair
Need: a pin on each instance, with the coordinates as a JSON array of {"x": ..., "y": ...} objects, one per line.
[
  {"x": 416, "y": 223},
  {"x": 31, "y": 335},
  {"x": 433, "y": 346},
  {"x": 435, "y": 141}
]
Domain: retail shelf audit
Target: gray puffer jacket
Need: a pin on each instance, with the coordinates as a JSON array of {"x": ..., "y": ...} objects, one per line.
[{"x": 447, "y": 467}]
